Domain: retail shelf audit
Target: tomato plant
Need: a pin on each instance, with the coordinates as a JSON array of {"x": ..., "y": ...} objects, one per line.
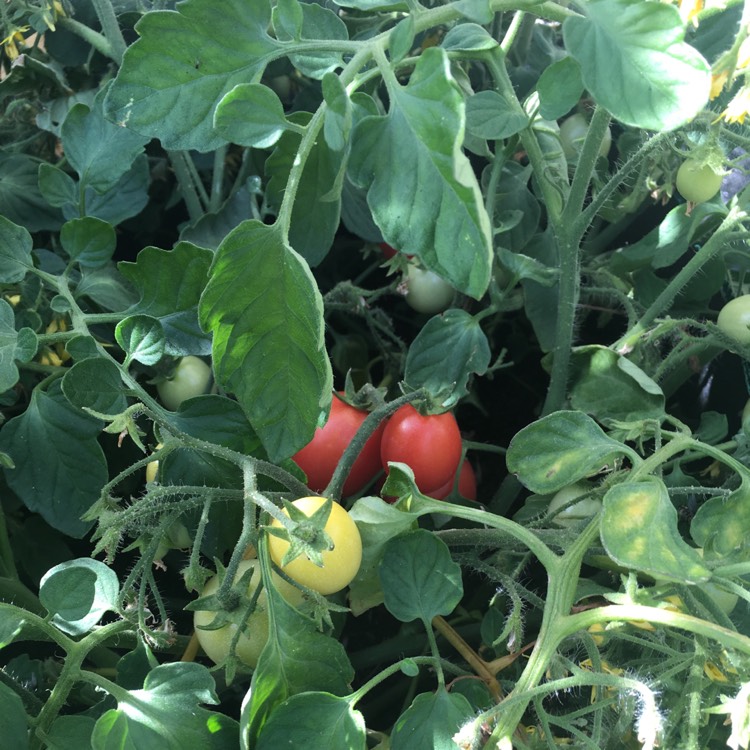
[
  {"x": 202, "y": 186},
  {"x": 319, "y": 458},
  {"x": 341, "y": 560},
  {"x": 697, "y": 182},
  {"x": 217, "y": 642},
  {"x": 429, "y": 444},
  {"x": 734, "y": 319},
  {"x": 191, "y": 377}
]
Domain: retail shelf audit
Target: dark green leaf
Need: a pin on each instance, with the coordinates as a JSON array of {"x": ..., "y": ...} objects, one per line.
[
  {"x": 610, "y": 386},
  {"x": 170, "y": 283},
  {"x": 559, "y": 449},
  {"x": 541, "y": 298},
  {"x": 142, "y": 338},
  {"x": 91, "y": 242},
  {"x": 421, "y": 187},
  {"x": 319, "y": 23},
  {"x": 338, "y": 115},
  {"x": 419, "y": 578},
  {"x": 166, "y": 714},
  {"x": 489, "y": 115},
  {"x": 11, "y": 623},
  {"x": 639, "y": 531},
  {"x": 95, "y": 383},
  {"x": 78, "y": 593},
  {"x": 70, "y": 733},
  {"x": 636, "y": 64},
  {"x": 287, "y": 19},
  {"x": 64, "y": 485},
  {"x": 445, "y": 353},
  {"x": 401, "y": 39},
  {"x": 266, "y": 315},
  {"x": 107, "y": 287},
  {"x": 560, "y": 87},
  {"x": 57, "y": 187},
  {"x": 181, "y": 67},
  {"x": 15, "y": 252},
  {"x": 14, "y": 346},
  {"x": 251, "y": 115},
  {"x": 431, "y": 722},
  {"x": 314, "y": 720},
  {"x": 14, "y": 728},
  {"x": 100, "y": 151},
  {"x": 22, "y": 199},
  {"x": 523, "y": 267},
  {"x": 722, "y": 524},
  {"x": 316, "y": 211},
  {"x": 468, "y": 37}
]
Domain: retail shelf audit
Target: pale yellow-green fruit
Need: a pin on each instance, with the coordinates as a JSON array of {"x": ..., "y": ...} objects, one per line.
[
  {"x": 340, "y": 564},
  {"x": 573, "y": 514},
  {"x": 216, "y": 643},
  {"x": 192, "y": 377}
]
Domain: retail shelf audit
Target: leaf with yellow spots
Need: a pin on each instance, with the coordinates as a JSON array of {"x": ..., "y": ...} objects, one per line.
[
  {"x": 639, "y": 531},
  {"x": 560, "y": 449},
  {"x": 722, "y": 524}
]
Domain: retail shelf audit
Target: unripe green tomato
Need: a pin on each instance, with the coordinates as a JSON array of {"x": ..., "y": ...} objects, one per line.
[
  {"x": 573, "y": 133},
  {"x": 574, "y": 514},
  {"x": 426, "y": 292},
  {"x": 191, "y": 377},
  {"x": 734, "y": 319},
  {"x": 216, "y": 643},
  {"x": 746, "y": 416},
  {"x": 340, "y": 564},
  {"x": 726, "y": 601},
  {"x": 697, "y": 182}
]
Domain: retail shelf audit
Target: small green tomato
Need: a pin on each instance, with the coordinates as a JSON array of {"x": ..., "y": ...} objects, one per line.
[{"x": 574, "y": 514}]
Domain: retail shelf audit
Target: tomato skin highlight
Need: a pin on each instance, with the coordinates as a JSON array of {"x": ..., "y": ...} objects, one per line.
[
  {"x": 467, "y": 484},
  {"x": 319, "y": 458},
  {"x": 430, "y": 445},
  {"x": 192, "y": 377},
  {"x": 573, "y": 131},
  {"x": 697, "y": 182},
  {"x": 734, "y": 319},
  {"x": 426, "y": 292},
  {"x": 340, "y": 564}
]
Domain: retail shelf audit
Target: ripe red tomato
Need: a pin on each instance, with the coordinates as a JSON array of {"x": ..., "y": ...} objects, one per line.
[
  {"x": 467, "y": 484},
  {"x": 430, "y": 445},
  {"x": 319, "y": 458}
]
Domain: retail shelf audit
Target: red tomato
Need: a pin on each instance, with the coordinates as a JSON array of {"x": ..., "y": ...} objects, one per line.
[
  {"x": 319, "y": 458},
  {"x": 388, "y": 251},
  {"x": 430, "y": 445},
  {"x": 467, "y": 484}
]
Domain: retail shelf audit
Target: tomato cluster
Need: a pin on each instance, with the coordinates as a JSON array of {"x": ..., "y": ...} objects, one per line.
[{"x": 429, "y": 444}]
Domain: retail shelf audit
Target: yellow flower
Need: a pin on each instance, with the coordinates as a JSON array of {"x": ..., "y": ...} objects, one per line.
[
  {"x": 689, "y": 9},
  {"x": 738, "y": 108},
  {"x": 12, "y": 41},
  {"x": 718, "y": 81}
]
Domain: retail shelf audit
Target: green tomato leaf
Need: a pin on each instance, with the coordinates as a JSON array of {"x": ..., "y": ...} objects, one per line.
[
  {"x": 181, "y": 67},
  {"x": 401, "y": 39},
  {"x": 318, "y": 23},
  {"x": 70, "y": 732},
  {"x": 91, "y": 242},
  {"x": 415, "y": 152},
  {"x": 99, "y": 151},
  {"x": 560, "y": 87},
  {"x": 517, "y": 212},
  {"x": 21, "y": 195},
  {"x": 251, "y": 115},
  {"x": 559, "y": 449},
  {"x": 419, "y": 578},
  {"x": 15, "y": 252},
  {"x": 14, "y": 728},
  {"x": 107, "y": 287},
  {"x": 317, "y": 208},
  {"x": 57, "y": 187},
  {"x": 722, "y": 524},
  {"x": 338, "y": 115},
  {"x": 167, "y": 714},
  {"x": 287, "y": 19},
  {"x": 11, "y": 623},
  {"x": 266, "y": 314},
  {"x": 639, "y": 531},
  {"x": 378, "y": 522},
  {"x": 170, "y": 283},
  {"x": 15, "y": 346},
  {"x": 607, "y": 385},
  {"x": 468, "y": 37},
  {"x": 431, "y": 721},
  {"x": 63, "y": 486},
  {"x": 95, "y": 383},
  {"x": 491, "y": 116},
  {"x": 142, "y": 338},
  {"x": 78, "y": 593},
  {"x": 445, "y": 353},
  {"x": 636, "y": 64},
  {"x": 314, "y": 720},
  {"x": 296, "y": 659}
]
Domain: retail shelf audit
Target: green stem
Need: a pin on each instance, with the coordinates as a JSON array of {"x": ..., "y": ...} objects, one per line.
[
  {"x": 188, "y": 188},
  {"x": 663, "y": 302},
  {"x": 217, "y": 180},
  {"x": 111, "y": 28},
  {"x": 98, "y": 41}
]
